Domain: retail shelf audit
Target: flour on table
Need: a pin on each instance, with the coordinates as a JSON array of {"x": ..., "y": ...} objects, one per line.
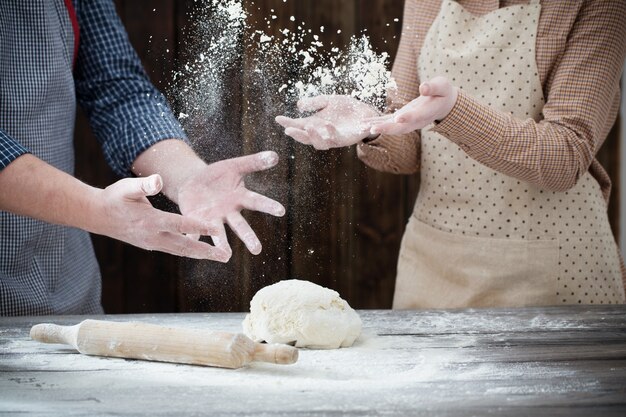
[{"x": 302, "y": 313}]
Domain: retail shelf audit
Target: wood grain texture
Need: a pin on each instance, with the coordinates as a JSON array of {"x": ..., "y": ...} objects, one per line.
[
  {"x": 344, "y": 221},
  {"x": 134, "y": 280},
  {"x": 561, "y": 361},
  {"x": 204, "y": 285},
  {"x": 324, "y": 182},
  {"x": 380, "y": 211},
  {"x": 261, "y": 133}
]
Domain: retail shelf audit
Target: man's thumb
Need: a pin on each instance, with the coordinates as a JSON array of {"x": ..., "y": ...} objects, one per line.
[
  {"x": 152, "y": 185},
  {"x": 136, "y": 188}
]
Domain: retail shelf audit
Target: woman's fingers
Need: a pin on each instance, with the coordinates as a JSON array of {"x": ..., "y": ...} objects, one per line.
[
  {"x": 243, "y": 230},
  {"x": 289, "y": 122},
  {"x": 317, "y": 140},
  {"x": 313, "y": 104},
  {"x": 378, "y": 119},
  {"x": 333, "y": 133},
  {"x": 438, "y": 86},
  {"x": 299, "y": 135},
  {"x": 391, "y": 128}
]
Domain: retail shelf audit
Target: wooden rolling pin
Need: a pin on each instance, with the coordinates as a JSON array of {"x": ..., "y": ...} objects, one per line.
[{"x": 164, "y": 344}]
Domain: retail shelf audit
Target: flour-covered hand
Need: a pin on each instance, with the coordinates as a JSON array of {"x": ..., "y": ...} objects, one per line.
[
  {"x": 338, "y": 121},
  {"x": 122, "y": 211},
  {"x": 216, "y": 193},
  {"x": 436, "y": 100}
]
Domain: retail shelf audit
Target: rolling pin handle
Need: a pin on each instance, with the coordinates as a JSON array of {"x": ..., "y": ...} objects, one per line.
[
  {"x": 275, "y": 353},
  {"x": 51, "y": 333}
]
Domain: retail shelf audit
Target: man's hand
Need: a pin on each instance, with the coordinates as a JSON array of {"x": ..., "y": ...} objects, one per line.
[
  {"x": 123, "y": 212},
  {"x": 216, "y": 194},
  {"x": 338, "y": 122},
  {"x": 30, "y": 187},
  {"x": 212, "y": 194},
  {"x": 436, "y": 100}
]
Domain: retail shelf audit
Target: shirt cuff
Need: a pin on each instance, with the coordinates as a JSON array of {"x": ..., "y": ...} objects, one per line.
[
  {"x": 10, "y": 150},
  {"x": 473, "y": 126},
  {"x": 372, "y": 155},
  {"x": 137, "y": 136}
]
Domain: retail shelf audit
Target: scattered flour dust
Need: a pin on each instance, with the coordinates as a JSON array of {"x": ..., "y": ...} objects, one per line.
[
  {"x": 357, "y": 71},
  {"x": 292, "y": 64},
  {"x": 241, "y": 67},
  {"x": 200, "y": 88}
]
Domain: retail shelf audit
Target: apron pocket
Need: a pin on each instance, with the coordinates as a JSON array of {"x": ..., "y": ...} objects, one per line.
[{"x": 438, "y": 269}]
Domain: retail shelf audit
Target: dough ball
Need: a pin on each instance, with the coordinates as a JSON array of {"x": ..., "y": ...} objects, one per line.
[{"x": 301, "y": 313}]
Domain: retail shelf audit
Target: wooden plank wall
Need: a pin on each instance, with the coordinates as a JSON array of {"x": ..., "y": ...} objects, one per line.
[{"x": 344, "y": 221}]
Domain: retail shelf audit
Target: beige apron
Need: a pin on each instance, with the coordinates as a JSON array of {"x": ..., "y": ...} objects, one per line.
[{"x": 477, "y": 237}]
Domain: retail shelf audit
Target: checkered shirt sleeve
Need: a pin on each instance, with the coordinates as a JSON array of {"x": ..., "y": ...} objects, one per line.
[
  {"x": 581, "y": 106},
  {"x": 127, "y": 113},
  {"x": 9, "y": 150},
  {"x": 581, "y": 46}
]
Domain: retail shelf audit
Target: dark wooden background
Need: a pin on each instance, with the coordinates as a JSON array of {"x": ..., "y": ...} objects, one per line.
[{"x": 344, "y": 221}]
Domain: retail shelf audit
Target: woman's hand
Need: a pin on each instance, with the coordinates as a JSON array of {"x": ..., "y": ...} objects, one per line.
[
  {"x": 338, "y": 122},
  {"x": 436, "y": 100}
]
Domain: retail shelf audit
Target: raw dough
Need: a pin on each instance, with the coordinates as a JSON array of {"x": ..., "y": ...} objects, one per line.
[{"x": 301, "y": 313}]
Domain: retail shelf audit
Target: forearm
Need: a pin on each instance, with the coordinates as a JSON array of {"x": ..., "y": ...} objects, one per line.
[
  {"x": 126, "y": 112},
  {"x": 550, "y": 154},
  {"x": 30, "y": 187},
  {"x": 582, "y": 100},
  {"x": 173, "y": 159}
]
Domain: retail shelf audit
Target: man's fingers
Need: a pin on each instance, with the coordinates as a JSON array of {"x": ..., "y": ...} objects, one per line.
[
  {"x": 257, "y": 162},
  {"x": 313, "y": 104},
  {"x": 183, "y": 246},
  {"x": 242, "y": 229},
  {"x": 220, "y": 239},
  {"x": 258, "y": 202},
  {"x": 175, "y": 223}
]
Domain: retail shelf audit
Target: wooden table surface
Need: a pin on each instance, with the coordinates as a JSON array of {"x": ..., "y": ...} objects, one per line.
[{"x": 563, "y": 361}]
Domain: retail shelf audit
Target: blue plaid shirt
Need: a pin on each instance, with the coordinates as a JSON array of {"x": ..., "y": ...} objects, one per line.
[
  {"x": 47, "y": 268},
  {"x": 126, "y": 112}
]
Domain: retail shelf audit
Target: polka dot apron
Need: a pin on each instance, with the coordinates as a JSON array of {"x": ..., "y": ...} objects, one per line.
[{"x": 477, "y": 237}]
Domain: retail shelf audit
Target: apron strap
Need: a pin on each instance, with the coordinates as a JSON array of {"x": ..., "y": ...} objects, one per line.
[
  {"x": 72, "y": 12},
  {"x": 534, "y": 2}
]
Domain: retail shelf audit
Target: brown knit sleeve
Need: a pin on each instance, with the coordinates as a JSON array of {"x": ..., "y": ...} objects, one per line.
[
  {"x": 399, "y": 154},
  {"x": 581, "y": 106},
  {"x": 395, "y": 154}
]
